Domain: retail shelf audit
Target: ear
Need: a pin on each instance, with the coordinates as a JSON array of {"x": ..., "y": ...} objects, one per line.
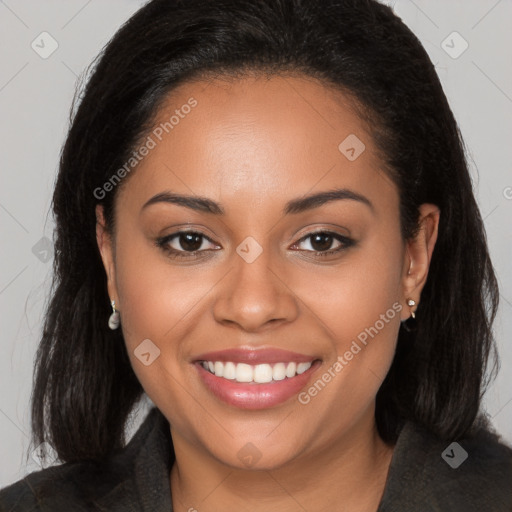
[
  {"x": 418, "y": 255},
  {"x": 106, "y": 248}
]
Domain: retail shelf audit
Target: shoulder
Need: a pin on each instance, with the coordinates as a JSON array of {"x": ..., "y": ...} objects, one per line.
[
  {"x": 90, "y": 485},
  {"x": 470, "y": 474},
  {"x": 59, "y": 487}
]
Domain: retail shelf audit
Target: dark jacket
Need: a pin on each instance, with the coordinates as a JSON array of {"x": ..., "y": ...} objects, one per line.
[{"x": 423, "y": 476}]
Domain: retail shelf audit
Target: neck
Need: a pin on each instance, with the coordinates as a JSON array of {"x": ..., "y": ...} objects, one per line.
[{"x": 350, "y": 473}]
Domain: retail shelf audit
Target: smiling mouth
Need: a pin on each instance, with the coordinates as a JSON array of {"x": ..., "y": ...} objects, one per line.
[
  {"x": 248, "y": 378},
  {"x": 259, "y": 373}
]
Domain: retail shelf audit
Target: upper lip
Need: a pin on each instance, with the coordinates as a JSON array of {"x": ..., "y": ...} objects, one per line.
[{"x": 255, "y": 356}]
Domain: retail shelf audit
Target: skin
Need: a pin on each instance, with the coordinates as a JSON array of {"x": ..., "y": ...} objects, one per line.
[{"x": 252, "y": 144}]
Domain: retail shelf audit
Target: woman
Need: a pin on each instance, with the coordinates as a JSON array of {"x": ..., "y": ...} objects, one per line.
[{"x": 266, "y": 225}]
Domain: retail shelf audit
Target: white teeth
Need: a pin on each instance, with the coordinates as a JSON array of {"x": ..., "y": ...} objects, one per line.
[
  {"x": 262, "y": 373},
  {"x": 302, "y": 367},
  {"x": 279, "y": 371},
  {"x": 259, "y": 373},
  {"x": 291, "y": 370},
  {"x": 244, "y": 372},
  {"x": 229, "y": 371},
  {"x": 219, "y": 369}
]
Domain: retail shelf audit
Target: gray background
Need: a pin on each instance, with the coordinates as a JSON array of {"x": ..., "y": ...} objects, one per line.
[{"x": 35, "y": 97}]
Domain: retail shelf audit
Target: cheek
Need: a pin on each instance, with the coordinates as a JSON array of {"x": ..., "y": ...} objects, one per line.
[
  {"x": 155, "y": 298},
  {"x": 159, "y": 301},
  {"x": 359, "y": 307},
  {"x": 373, "y": 302},
  {"x": 154, "y": 302},
  {"x": 352, "y": 296},
  {"x": 145, "y": 292}
]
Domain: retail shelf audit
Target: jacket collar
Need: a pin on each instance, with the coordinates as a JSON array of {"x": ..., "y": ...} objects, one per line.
[
  {"x": 150, "y": 455},
  {"x": 417, "y": 474}
]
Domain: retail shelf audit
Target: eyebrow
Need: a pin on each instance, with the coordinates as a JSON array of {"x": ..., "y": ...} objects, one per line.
[{"x": 295, "y": 206}]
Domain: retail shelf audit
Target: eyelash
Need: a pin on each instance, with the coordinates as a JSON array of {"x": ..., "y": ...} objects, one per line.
[{"x": 163, "y": 242}]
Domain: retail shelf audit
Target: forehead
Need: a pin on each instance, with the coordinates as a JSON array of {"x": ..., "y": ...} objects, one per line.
[{"x": 250, "y": 140}]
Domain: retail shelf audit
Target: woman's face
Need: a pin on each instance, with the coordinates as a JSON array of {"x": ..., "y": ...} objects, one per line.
[{"x": 262, "y": 297}]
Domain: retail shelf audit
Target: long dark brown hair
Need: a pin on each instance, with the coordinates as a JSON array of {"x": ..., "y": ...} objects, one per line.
[{"x": 84, "y": 387}]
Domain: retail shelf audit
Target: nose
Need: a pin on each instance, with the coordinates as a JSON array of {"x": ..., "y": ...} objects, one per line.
[{"x": 255, "y": 296}]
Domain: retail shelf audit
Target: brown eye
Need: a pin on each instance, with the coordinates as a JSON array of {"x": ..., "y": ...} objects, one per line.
[
  {"x": 321, "y": 243},
  {"x": 190, "y": 241},
  {"x": 184, "y": 243}
]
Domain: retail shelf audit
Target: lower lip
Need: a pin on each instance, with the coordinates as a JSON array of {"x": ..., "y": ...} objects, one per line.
[{"x": 252, "y": 395}]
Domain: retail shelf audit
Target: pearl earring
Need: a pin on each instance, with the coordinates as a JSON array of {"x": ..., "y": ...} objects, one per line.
[
  {"x": 410, "y": 303},
  {"x": 113, "y": 321}
]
